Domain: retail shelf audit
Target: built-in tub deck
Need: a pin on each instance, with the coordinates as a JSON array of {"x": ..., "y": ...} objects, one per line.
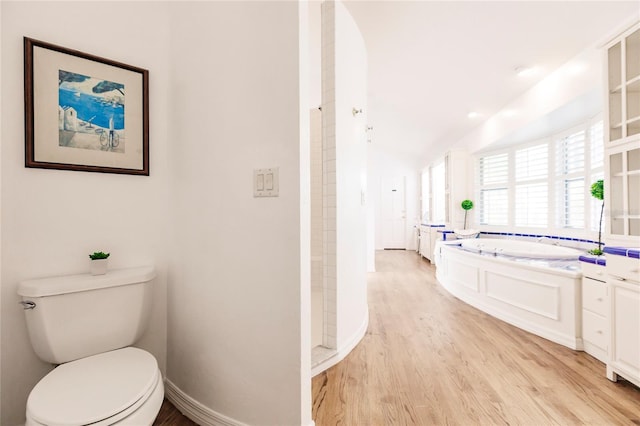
[{"x": 538, "y": 295}]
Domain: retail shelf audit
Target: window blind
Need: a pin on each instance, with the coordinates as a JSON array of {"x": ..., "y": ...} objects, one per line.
[
  {"x": 570, "y": 159},
  {"x": 532, "y": 163},
  {"x": 494, "y": 206},
  {"x": 570, "y": 154},
  {"x": 596, "y": 139},
  {"x": 494, "y": 169},
  {"x": 531, "y": 192},
  {"x": 494, "y": 194}
]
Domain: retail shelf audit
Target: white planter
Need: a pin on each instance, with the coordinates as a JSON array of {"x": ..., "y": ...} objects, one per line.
[{"x": 99, "y": 266}]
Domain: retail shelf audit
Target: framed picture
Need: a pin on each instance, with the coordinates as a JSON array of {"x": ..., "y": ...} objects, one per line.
[{"x": 83, "y": 112}]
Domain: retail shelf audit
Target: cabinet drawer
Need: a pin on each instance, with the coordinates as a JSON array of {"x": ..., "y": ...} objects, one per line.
[
  {"x": 594, "y": 296},
  {"x": 596, "y": 272},
  {"x": 624, "y": 267},
  {"x": 594, "y": 329}
]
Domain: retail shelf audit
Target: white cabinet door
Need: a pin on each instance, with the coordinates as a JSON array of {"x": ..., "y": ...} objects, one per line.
[{"x": 625, "y": 330}]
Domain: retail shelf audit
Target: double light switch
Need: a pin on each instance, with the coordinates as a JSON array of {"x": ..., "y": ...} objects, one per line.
[{"x": 265, "y": 182}]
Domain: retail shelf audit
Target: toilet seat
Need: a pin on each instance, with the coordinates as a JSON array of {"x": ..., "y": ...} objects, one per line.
[{"x": 100, "y": 389}]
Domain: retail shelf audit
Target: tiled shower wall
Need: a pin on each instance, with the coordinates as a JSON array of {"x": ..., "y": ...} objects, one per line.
[
  {"x": 317, "y": 290},
  {"x": 316, "y": 199},
  {"x": 329, "y": 174}
]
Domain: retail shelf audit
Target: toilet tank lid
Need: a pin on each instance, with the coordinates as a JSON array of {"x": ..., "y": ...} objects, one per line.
[{"x": 51, "y": 286}]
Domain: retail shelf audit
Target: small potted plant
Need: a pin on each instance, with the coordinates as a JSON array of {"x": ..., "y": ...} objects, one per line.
[
  {"x": 99, "y": 262},
  {"x": 466, "y": 205},
  {"x": 464, "y": 233},
  {"x": 597, "y": 192}
]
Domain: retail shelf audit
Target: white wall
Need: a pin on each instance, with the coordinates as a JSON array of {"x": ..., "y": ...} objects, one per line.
[
  {"x": 239, "y": 327},
  {"x": 575, "y": 79},
  {"x": 226, "y": 96},
  {"x": 52, "y": 219},
  {"x": 384, "y": 163},
  {"x": 316, "y": 199},
  {"x": 344, "y": 62}
]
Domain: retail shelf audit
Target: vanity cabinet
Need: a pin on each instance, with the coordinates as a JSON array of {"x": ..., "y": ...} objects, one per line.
[
  {"x": 623, "y": 278},
  {"x": 425, "y": 241},
  {"x": 622, "y": 137},
  {"x": 428, "y": 238},
  {"x": 595, "y": 334}
]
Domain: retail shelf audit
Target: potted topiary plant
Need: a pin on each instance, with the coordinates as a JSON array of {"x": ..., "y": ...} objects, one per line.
[
  {"x": 99, "y": 262},
  {"x": 464, "y": 232},
  {"x": 597, "y": 192},
  {"x": 466, "y": 205}
]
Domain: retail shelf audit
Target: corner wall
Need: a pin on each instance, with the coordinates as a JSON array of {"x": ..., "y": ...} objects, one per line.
[
  {"x": 52, "y": 219},
  {"x": 344, "y": 88},
  {"x": 238, "y": 303}
]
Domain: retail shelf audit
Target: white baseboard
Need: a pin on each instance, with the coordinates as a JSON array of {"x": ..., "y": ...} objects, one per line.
[
  {"x": 197, "y": 412},
  {"x": 194, "y": 410},
  {"x": 345, "y": 349}
]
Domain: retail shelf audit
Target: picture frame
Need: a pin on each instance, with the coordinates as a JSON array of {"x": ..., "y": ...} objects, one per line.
[{"x": 76, "y": 117}]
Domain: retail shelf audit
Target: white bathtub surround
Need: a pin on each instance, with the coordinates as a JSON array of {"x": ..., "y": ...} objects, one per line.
[
  {"x": 466, "y": 233},
  {"x": 536, "y": 295},
  {"x": 582, "y": 244},
  {"x": 524, "y": 249}
]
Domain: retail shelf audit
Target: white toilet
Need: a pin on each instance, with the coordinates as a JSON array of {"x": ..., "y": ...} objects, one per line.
[{"x": 86, "y": 324}]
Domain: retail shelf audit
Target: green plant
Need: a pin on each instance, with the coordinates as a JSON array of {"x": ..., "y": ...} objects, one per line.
[
  {"x": 597, "y": 192},
  {"x": 99, "y": 255},
  {"x": 466, "y": 205}
]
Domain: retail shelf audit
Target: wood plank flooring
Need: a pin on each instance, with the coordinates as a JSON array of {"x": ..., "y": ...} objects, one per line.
[
  {"x": 430, "y": 359},
  {"x": 170, "y": 416}
]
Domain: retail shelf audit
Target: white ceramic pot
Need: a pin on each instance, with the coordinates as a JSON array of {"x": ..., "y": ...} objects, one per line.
[{"x": 99, "y": 266}]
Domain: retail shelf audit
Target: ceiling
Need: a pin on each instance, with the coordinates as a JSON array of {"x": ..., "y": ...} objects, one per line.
[{"x": 433, "y": 62}]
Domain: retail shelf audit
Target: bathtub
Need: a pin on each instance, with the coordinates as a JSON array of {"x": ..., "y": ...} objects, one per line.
[
  {"x": 526, "y": 249},
  {"x": 541, "y": 295}
]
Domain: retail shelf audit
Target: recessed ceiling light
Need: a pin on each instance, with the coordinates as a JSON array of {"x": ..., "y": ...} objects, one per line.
[
  {"x": 525, "y": 71},
  {"x": 473, "y": 115}
]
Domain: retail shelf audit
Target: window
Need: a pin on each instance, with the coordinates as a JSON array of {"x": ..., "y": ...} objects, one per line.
[
  {"x": 438, "y": 213},
  {"x": 531, "y": 193},
  {"x": 570, "y": 189},
  {"x": 596, "y": 140},
  {"x": 494, "y": 195},
  {"x": 426, "y": 195},
  {"x": 545, "y": 184}
]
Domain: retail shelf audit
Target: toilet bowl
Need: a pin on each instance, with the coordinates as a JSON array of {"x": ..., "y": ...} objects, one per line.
[
  {"x": 122, "y": 387},
  {"x": 87, "y": 325}
]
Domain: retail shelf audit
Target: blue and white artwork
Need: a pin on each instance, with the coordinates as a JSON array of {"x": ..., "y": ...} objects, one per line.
[{"x": 90, "y": 113}]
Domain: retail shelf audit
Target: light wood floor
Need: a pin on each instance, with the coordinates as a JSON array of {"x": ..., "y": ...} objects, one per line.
[{"x": 430, "y": 359}]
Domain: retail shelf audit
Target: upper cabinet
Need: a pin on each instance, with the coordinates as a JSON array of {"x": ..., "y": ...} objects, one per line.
[
  {"x": 622, "y": 138},
  {"x": 623, "y": 84}
]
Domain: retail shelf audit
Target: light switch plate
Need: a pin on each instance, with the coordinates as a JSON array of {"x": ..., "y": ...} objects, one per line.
[{"x": 266, "y": 182}]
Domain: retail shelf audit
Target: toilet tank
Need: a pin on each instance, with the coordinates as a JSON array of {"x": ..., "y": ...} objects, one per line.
[{"x": 76, "y": 316}]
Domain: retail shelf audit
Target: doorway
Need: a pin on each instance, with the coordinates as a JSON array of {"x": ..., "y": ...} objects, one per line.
[{"x": 393, "y": 212}]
